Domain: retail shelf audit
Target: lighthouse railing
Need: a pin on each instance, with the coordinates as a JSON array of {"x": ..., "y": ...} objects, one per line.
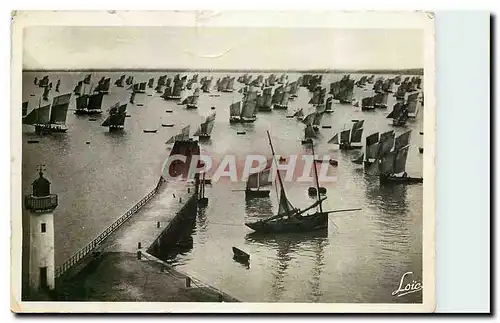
[{"x": 92, "y": 245}]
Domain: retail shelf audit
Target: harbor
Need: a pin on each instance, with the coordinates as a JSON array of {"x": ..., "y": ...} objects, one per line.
[{"x": 100, "y": 172}]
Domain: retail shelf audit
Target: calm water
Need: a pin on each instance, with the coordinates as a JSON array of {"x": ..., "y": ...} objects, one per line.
[{"x": 360, "y": 259}]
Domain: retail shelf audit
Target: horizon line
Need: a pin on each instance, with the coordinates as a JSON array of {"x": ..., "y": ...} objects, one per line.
[{"x": 419, "y": 70}]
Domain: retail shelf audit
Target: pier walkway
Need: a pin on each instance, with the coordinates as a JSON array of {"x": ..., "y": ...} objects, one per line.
[{"x": 116, "y": 273}]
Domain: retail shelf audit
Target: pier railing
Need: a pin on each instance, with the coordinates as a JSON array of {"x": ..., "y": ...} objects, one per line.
[{"x": 92, "y": 245}]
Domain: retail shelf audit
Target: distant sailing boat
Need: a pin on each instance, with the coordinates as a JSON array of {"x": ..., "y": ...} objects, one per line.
[
  {"x": 349, "y": 136},
  {"x": 116, "y": 118},
  {"x": 291, "y": 219},
  {"x": 280, "y": 98},
  {"x": 45, "y": 94},
  {"x": 248, "y": 109},
  {"x": 206, "y": 127},
  {"x": 103, "y": 86},
  {"x": 151, "y": 82},
  {"x": 49, "y": 119},
  {"x": 413, "y": 105},
  {"x": 119, "y": 82},
  {"x": 394, "y": 162},
  {"x": 367, "y": 104},
  {"x": 78, "y": 88},
  {"x": 175, "y": 92},
  {"x": 380, "y": 100},
  {"x": 235, "y": 112},
  {"x": 265, "y": 100},
  {"x": 299, "y": 114},
  {"x": 257, "y": 181},
  {"x": 328, "y": 105},
  {"x": 314, "y": 119},
  {"x": 182, "y": 136},
  {"x": 89, "y": 103},
  {"x": 371, "y": 150},
  {"x": 399, "y": 114},
  {"x": 206, "y": 84},
  {"x": 309, "y": 135},
  {"x": 293, "y": 89},
  {"x": 139, "y": 87},
  {"x": 191, "y": 101}
]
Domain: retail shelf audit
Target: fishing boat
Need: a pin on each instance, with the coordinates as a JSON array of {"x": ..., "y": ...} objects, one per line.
[
  {"x": 45, "y": 95},
  {"x": 299, "y": 114},
  {"x": 182, "y": 136},
  {"x": 139, "y": 87},
  {"x": 309, "y": 135},
  {"x": 58, "y": 84},
  {"x": 348, "y": 137},
  {"x": 371, "y": 150},
  {"x": 392, "y": 165},
  {"x": 151, "y": 82},
  {"x": 413, "y": 105},
  {"x": 119, "y": 81},
  {"x": 367, "y": 104},
  {"x": 103, "y": 86},
  {"x": 280, "y": 98},
  {"x": 89, "y": 104},
  {"x": 116, "y": 119},
  {"x": 50, "y": 118},
  {"x": 399, "y": 114},
  {"x": 132, "y": 97},
  {"x": 380, "y": 100},
  {"x": 257, "y": 181},
  {"x": 191, "y": 101},
  {"x": 235, "y": 112},
  {"x": 205, "y": 129},
  {"x": 343, "y": 90},
  {"x": 78, "y": 88},
  {"x": 329, "y": 105},
  {"x": 44, "y": 81},
  {"x": 248, "y": 107},
  {"x": 173, "y": 93},
  {"x": 206, "y": 85},
  {"x": 265, "y": 101},
  {"x": 291, "y": 219},
  {"x": 87, "y": 79},
  {"x": 293, "y": 90},
  {"x": 314, "y": 119}
]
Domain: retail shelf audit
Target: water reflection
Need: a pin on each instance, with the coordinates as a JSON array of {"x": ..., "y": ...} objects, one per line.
[
  {"x": 259, "y": 207},
  {"x": 286, "y": 246}
]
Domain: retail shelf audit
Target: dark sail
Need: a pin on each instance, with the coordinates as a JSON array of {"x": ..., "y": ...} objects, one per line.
[
  {"x": 59, "y": 109},
  {"x": 95, "y": 101},
  {"x": 82, "y": 102}
]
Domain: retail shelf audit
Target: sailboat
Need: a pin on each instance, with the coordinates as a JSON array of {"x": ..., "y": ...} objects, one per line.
[
  {"x": 399, "y": 114},
  {"x": 119, "y": 81},
  {"x": 280, "y": 98},
  {"x": 58, "y": 84},
  {"x": 151, "y": 82},
  {"x": 349, "y": 136},
  {"x": 50, "y": 118},
  {"x": 173, "y": 93},
  {"x": 182, "y": 136},
  {"x": 413, "y": 105},
  {"x": 293, "y": 89},
  {"x": 392, "y": 165},
  {"x": 191, "y": 101},
  {"x": 89, "y": 103},
  {"x": 116, "y": 119},
  {"x": 380, "y": 100},
  {"x": 257, "y": 181},
  {"x": 235, "y": 112},
  {"x": 266, "y": 100},
  {"x": 78, "y": 88},
  {"x": 314, "y": 119},
  {"x": 299, "y": 114},
  {"x": 45, "y": 95},
  {"x": 87, "y": 79},
  {"x": 205, "y": 129},
  {"x": 206, "y": 84},
  {"x": 367, "y": 104},
  {"x": 291, "y": 219},
  {"x": 103, "y": 86},
  {"x": 248, "y": 109},
  {"x": 371, "y": 150},
  {"x": 309, "y": 135},
  {"x": 329, "y": 104},
  {"x": 343, "y": 90},
  {"x": 139, "y": 87}
]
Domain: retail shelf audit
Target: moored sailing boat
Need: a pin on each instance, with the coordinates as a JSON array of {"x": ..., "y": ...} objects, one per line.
[
  {"x": 367, "y": 104},
  {"x": 248, "y": 109},
  {"x": 116, "y": 119},
  {"x": 399, "y": 114},
  {"x": 205, "y": 129},
  {"x": 235, "y": 112},
  {"x": 291, "y": 219},
  {"x": 280, "y": 98},
  {"x": 257, "y": 181},
  {"x": 182, "y": 136},
  {"x": 191, "y": 101},
  {"x": 89, "y": 104},
  {"x": 371, "y": 151},
  {"x": 380, "y": 100},
  {"x": 50, "y": 118},
  {"x": 103, "y": 86},
  {"x": 392, "y": 165},
  {"x": 348, "y": 137}
]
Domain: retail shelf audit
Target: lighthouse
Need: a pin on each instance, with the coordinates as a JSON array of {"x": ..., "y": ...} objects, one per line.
[{"x": 41, "y": 204}]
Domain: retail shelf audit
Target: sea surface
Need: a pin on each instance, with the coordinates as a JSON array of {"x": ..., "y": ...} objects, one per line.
[{"x": 360, "y": 259}]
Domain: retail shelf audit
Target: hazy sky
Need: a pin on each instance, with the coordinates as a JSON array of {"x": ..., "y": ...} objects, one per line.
[{"x": 221, "y": 48}]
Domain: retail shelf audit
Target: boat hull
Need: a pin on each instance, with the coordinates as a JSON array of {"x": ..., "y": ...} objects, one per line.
[
  {"x": 172, "y": 97},
  {"x": 256, "y": 194},
  {"x": 191, "y": 106},
  {"x": 49, "y": 129},
  {"x": 280, "y": 106},
  {"x": 88, "y": 112},
  {"x": 400, "y": 180},
  {"x": 313, "y": 222}
]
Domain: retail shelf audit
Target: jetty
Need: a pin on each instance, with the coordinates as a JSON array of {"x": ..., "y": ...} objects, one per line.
[{"x": 123, "y": 266}]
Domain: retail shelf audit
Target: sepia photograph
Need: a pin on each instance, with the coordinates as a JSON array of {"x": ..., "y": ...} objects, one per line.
[{"x": 201, "y": 161}]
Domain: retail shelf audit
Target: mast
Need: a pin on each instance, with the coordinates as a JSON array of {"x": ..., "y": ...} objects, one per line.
[
  {"x": 274, "y": 158},
  {"x": 317, "y": 182}
]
